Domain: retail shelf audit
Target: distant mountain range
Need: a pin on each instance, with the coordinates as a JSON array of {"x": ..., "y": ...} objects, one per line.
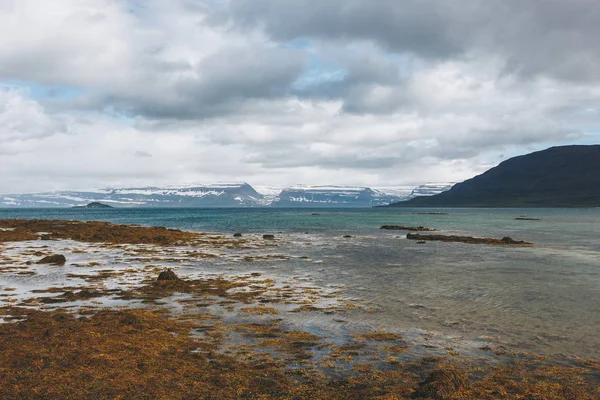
[
  {"x": 565, "y": 176},
  {"x": 225, "y": 195}
]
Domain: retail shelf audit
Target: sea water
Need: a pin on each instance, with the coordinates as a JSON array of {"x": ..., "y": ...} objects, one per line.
[{"x": 543, "y": 299}]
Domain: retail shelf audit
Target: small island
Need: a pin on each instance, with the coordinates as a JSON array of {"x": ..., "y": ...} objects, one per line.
[{"x": 94, "y": 204}]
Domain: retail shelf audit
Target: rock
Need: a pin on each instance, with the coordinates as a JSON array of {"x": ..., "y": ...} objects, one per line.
[
  {"x": 57, "y": 259},
  {"x": 526, "y": 219},
  {"x": 269, "y": 237},
  {"x": 168, "y": 275},
  {"x": 237, "y": 234},
  {"x": 94, "y": 204},
  {"x": 347, "y": 236},
  {"x": 407, "y": 228},
  {"x": 505, "y": 241},
  {"x": 421, "y": 242},
  {"x": 46, "y": 237},
  {"x": 509, "y": 240}
]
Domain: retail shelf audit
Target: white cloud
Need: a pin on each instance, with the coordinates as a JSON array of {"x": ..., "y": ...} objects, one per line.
[
  {"x": 22, "y": 118},
  {"x": 197, "y": 91}
]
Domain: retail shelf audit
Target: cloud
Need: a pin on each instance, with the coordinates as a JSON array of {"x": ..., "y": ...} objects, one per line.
[
  {"x": 107, "y": 92},
  {"x": 141, "y": 64},
  {"x": 548, "y": 37},
  {"x": 23, "y": 119}
]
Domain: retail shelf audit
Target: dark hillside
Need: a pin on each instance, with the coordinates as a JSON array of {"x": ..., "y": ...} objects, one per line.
[{"x": 566, "y": 176}]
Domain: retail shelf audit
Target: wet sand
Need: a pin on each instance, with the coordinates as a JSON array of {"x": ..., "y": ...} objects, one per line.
[{"x": 102, "y": 326}]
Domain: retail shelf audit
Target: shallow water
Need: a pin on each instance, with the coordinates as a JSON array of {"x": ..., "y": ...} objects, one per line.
[{"x": 542, "y": 299}]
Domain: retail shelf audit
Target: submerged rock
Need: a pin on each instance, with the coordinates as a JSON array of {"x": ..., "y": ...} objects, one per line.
[
  {"x": 168, "y": 275},
  {"x": 407, "y": 228},
  {"x": 526, "y": 219},
  {"x": 57, "y": 259},
  {"x": 431, "y": 213},
  {"x": 421, "y": 242},
  {"x": 347, "y": 236}
]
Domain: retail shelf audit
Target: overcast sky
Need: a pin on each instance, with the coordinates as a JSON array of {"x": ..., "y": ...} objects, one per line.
[{"x": 104, "y": 93}]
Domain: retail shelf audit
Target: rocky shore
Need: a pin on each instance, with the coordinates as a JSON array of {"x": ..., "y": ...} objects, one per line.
[{"x": 136, "y": 318}]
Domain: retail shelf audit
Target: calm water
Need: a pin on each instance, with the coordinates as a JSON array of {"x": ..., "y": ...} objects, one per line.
[{"x": 544, "y": 299}]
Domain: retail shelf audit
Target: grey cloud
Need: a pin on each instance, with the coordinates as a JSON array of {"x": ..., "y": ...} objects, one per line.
[
  {"x": 370, "y": 83},
  {"x": 399, "y": 26},
  {"x": 549, "y": 37},
  {"x": 219, "y": 85}
]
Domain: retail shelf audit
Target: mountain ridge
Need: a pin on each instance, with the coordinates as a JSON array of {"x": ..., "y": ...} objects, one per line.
[
  {"x": 560, "y": 176},
  {"x": 222, "y": 195}
]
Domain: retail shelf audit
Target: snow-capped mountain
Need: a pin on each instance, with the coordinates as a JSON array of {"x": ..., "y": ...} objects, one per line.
[
  {"x": 429, "y": 189},
  {"x": 336, "y": 196},
  {"x": 269, "y": 193},
  {"x": 226, "y": 195},
  {"x": 215, "y": 195}
]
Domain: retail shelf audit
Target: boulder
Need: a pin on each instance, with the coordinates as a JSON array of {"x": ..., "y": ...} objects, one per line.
[
  {"x": 56, "y": 259},
  {"x": 269, "y": 237},
  {"x": 168, "y": 275},
  {"x": 237, "y": 234}
]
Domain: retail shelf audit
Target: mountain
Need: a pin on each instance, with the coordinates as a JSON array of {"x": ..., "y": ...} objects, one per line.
[
  {"x": 565, "y": 176},
  {"x": 225, "y": 195},
  {"x": 217, "y": 195},
  {"x": 429, "y": 189},
  {"x": 327, "y": 196}
]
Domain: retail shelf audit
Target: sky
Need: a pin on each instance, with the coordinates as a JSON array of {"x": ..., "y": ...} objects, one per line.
[{"x": 117, "y": 93}]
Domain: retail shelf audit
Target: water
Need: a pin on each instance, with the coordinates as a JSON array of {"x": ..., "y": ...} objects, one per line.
[{"x": 544, "y": 299}]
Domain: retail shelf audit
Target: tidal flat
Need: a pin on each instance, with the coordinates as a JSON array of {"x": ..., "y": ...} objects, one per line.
[{"x": 102, "y": 326}]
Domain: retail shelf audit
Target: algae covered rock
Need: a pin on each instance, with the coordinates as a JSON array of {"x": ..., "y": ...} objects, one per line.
[
  {"x": 443, "y": 382},
  {"x": 505, "y": 241}
]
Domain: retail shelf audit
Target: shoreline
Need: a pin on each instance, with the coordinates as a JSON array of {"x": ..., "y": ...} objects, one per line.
[{"x": 218, "y": 335}]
